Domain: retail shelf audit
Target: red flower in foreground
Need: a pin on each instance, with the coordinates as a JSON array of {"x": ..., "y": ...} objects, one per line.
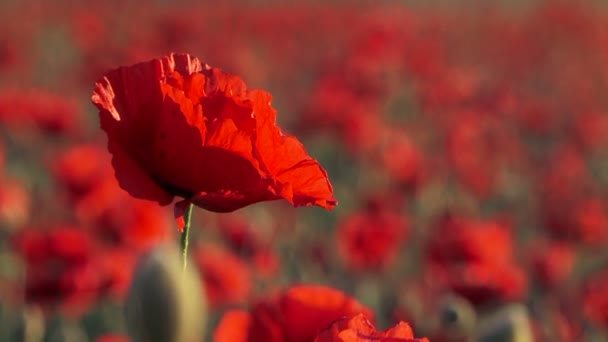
[
  {"x": 297, "y": 315},
  {"x": 177, "y": 127},
  {"x": 360, "y": 329},
  {"x": 112, "y": 338}
]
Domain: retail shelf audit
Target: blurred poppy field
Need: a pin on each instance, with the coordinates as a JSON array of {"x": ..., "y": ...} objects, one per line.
[{"x": 466, "y": 144}]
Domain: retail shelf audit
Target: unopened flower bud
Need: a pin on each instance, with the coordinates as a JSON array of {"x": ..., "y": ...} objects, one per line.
[
  {"x": 457, "y": 317},
  {"x": 165, "y": 302},
  {"x": 510, "y": 324}
]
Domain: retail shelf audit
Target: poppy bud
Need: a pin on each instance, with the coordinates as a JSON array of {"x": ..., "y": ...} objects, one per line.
[
  {"x": 510, "y": 324},
  {"x": 31, "y": 325},
  {"x": 61, "y": 330},
  {"x": 457, "y": 316},
  {"x": 165, "y": 303}
]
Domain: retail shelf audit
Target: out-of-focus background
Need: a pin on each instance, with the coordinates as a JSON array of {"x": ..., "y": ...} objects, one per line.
[{"x": 467, "y": 145}]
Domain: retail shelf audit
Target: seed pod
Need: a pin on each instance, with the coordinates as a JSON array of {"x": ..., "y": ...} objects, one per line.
[
  {"x": 60, "y": 330},
  {"x": 509, "y": 324},
  {"x": 30, "y": 327},
  {"x": 457, "y": 317},
  {"x": 164, "y": 302}
]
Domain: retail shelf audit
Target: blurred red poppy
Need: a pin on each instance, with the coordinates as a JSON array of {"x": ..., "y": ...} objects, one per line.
[
  {"x": 177, "y": 127},
  {"x": 240, "y": 234},
  {"x": 1, "y": 158},
  {"x": 552, "y": 263},
  {"x": 359, "y": 328},
  {"x": 60, "y": 267},
  {"x": 307, "y": 309},
  {"x": 263, "y": 323},
  {"x": 234, "y": 326},
  {"x": 476, "y": 260},
  {"x": 38, "y": 109},
  {"x": 117, "y": 265},
  {"x": 227, "y": 278},
  {"x": 473, "y": 153},
  {"x": 85, "y": 173},
  {"x": 595, "y": 298},
  {"x": 80, "y": 168},
  {"x": 15, "y": 203},
  {"x": 370, "y": 240},
  {"x": 459, "y": 239},
  {"x": 252, "y": 242},
  {"x": 296, "y": 315},
  {"x": 401, "y": 159},
  {"x": 487, "y": 282},
  {"x": 113, "y": 338}
]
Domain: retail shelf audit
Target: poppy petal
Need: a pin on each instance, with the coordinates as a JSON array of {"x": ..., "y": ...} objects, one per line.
[
  {"x": 301, "y": 179},
  {"x": 132, "y": 178},
  {"x": 234, "y": 327}
]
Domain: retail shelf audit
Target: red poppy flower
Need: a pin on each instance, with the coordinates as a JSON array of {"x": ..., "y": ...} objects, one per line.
[
  {"x": 240, "y": 234},
  {"x": 552, "y": 263},
  {"x": 252, "y": 242},
  {"x": 38, "y": 109},
  {"x": 476, "y": 260},
  {"x": 227, "y": 278},
  {"x": 118, "y": 266},
  {"x": 177, "y": 127},
  {"x": 296, "y": 315},
  {"x": 15, "y": 204},
  {"x": 261, "y": 324},
  {"x": 370, "y": 240},
  {"x": 459, "y": 239},
  {"x": 234, "y": 326},
  {"x": 1, "y": 158},
  {"x": 81, "y": 168},
  {"x": 401, "y": 159},
  {"x": 473, "y": 153},
  {"x": 116, "y": 218},
  {"x": 359, "y": 328},
  {"x": 266, "y": 263},
  {"x": 306, "y": 309},
  {"x": 61, "y": 267},
  {"x": 595, "y": 298},
  {"x": 113, "y": 338},
  {"x": 488, "y": 283}
]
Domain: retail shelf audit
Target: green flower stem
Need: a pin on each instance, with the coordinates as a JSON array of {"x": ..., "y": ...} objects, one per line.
[{"x": 186, "y": 234}]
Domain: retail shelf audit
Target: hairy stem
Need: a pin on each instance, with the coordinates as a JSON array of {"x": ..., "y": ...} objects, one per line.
[{"x": 186, "y": 234}]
